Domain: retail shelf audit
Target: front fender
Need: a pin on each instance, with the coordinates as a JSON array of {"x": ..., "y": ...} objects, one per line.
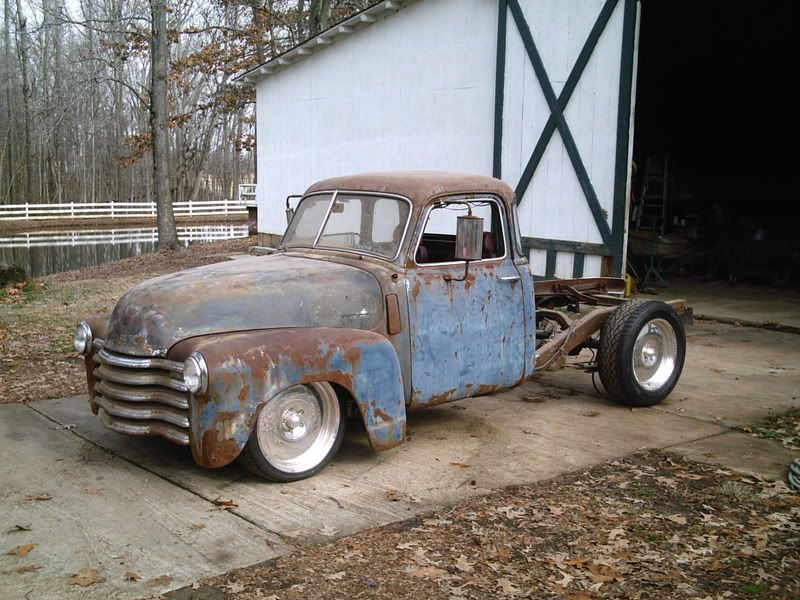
[{"x": 247, "y": 369}]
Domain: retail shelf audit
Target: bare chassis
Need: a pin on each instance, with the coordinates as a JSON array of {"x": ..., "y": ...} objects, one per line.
[{"x": 558, "y": 335}]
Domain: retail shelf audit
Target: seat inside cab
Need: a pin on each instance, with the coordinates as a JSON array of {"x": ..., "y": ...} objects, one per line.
[{"x": 438, "y": 243}]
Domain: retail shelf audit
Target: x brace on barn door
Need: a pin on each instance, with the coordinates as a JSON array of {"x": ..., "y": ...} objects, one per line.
[{"x": 612, "y": 236}]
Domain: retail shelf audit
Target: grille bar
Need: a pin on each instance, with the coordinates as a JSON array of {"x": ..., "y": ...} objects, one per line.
[
  {"x": 144, "y": 412},
  {"x": 145, "y": 428},
  {"x": 135, "y": 362},
  {"x": 139, "y": 377},
  {"x": 141, "y": 396}
]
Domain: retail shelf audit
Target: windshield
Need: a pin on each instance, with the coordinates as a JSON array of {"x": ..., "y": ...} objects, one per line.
[{"x": 365, "y": 223}]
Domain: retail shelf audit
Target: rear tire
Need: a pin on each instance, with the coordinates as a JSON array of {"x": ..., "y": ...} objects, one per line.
[
  {"x": 297, "y": 433},
  {"x": 642, "y": 351}
]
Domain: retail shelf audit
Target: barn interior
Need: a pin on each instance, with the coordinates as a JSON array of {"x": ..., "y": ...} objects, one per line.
[{"x": 713, "y": 192}]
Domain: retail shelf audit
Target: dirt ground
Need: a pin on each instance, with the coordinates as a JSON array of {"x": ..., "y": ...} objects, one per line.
[
  {"x": 652, "y": 525},
  {"x": 38, "y": 319}
]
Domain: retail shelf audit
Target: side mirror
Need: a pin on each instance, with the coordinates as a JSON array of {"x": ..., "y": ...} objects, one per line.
[
  {"x": 289, "y": 209},
  {"x": 469, "y": 238},
  {"x": 469, "y": 243}
]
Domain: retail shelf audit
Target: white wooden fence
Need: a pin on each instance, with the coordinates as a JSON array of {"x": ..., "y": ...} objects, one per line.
[
  {"x": 93, "y": 237},
  {"x": 119, "y": 210}
]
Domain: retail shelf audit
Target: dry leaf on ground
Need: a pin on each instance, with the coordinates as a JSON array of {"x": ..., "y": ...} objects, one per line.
[
  {"x": 86, "y": 577},
  {"x": 224, "y": 503},
  {"x": 39, "y": 498},
  {"x": 21, "y": 550},
  {"x": 431, "y": 572},
  {"x": 159, "y": 581}
]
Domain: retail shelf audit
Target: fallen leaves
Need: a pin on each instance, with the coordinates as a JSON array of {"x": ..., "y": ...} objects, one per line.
[
  {"x": 507, "y": 587},
  {"x": 86, "y": 577},
  {"x": 679, "y": 519},
  {"x": 39, "y": 498},
  {"x": 393, "y": 495},
  {"x": 463, "y": 565},
  {"x": 28, "y": 569},
  {"x": 224, "y": 503},
  {"x": 21, "y": 550},
  {"x": 612, "y": 531},
  {"x": 159, "y": 582},
  {"x": 430, "y": 572}
]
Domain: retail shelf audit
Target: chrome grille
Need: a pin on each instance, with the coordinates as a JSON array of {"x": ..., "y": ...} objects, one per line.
[{"x": 141, "y": 396}]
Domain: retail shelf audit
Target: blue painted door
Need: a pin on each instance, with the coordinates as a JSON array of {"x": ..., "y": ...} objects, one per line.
[{"x": 467, "y": 337}]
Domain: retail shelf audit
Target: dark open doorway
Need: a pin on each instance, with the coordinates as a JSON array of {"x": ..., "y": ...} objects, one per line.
[{"x": 714, "y": 97}]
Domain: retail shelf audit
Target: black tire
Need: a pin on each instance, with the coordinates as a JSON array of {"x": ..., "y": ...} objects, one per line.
[
  {"x": 618, "y": 339},
  {"x": 255, "y": 455}
]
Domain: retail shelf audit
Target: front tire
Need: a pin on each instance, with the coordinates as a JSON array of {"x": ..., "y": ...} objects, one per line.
[
  {"x": 297, "y": 433},
  {"x": 642, "y": 350}
]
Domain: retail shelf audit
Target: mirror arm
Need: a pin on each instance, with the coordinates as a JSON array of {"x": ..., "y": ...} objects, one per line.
[{"x": 462, "y": 278}]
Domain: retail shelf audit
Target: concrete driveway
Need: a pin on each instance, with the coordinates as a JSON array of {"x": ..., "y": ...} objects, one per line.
[{"x": 90, "y": 498}]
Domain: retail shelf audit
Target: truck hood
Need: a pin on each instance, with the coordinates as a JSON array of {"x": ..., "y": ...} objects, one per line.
[{"x": 261, "y": 292}]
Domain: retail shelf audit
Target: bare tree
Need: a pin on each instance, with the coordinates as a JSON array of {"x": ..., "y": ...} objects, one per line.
[
  {"x": 87, "y": 114},
  {"x": 167, "y": 234}
]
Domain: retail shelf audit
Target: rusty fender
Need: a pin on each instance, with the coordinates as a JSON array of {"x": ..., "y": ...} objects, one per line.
[{"x": 247, "y": 369}]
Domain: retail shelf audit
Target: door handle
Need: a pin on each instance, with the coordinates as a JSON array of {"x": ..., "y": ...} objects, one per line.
[{"x": 511, "y": 278}]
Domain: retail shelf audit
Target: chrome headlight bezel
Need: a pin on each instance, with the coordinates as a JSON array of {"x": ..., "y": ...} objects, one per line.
[
  {"x": 195, "y": 373},
  {"x": 82, "y": 341}
]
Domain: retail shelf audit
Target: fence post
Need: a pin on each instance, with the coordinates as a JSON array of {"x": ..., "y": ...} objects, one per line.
[
  {"x": 71, "y": 210},
  {"x": 112, "y": 209},
  {"x": 27, "y": 214}
]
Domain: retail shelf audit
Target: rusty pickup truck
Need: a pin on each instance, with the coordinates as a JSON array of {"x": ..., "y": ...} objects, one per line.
[{"x": 390, "y": 292}]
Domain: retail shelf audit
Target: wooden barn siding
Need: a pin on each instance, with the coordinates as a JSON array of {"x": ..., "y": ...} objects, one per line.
[
  {"x": 554, "y": 205},
  {"x": 414, "y": 93},
  {"x": 419, "y": 93}
]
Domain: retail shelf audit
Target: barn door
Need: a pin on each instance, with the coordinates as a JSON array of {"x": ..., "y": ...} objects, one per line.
[{"x": 563, "y": 106}]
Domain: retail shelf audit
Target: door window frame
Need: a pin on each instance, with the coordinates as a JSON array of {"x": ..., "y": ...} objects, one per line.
[{"x": 455, "y": 199}]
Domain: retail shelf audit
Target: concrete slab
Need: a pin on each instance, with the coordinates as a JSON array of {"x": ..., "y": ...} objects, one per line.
[
  {"x": 455, "y": 451},
  {"x": 757, "y": 303},
  {"x": 741, "y": 452},
  {"x": 107, "y": 514},
  {"x": 733, "y": 376}
]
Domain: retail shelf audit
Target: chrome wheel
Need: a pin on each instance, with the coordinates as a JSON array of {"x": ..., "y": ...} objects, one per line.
[
  {"x": 655, "y": 352},
  {"x": 297, "y": 428}
]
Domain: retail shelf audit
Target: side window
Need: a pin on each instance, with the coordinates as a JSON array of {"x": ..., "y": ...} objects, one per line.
[{"x": 438, "y": 242}]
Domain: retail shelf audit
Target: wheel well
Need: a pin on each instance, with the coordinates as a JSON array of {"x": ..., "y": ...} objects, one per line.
[{"x": 344, "y": 395}]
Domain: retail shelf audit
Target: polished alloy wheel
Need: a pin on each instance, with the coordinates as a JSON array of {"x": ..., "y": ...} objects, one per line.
[
  {"x": 297, "y": 428},
  {"x": 654, "y": 354}
]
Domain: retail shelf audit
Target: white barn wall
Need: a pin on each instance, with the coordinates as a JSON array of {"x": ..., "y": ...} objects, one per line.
[
  {"x": 415, "y": 90},
  {"x": 554, "y": 205}
]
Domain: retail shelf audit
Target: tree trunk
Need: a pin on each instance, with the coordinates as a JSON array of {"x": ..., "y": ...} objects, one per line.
[
  {"x": 9, "y": 187},
  {"x": 167, "y": 233},
  {"x": 319, "y": 15},
  {"x": 22, "y": 29}
]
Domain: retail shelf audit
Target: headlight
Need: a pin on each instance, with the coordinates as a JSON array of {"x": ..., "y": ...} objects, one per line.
[
  {"x": 195, "y": 373},
  {"x": 83, "y": 338}
]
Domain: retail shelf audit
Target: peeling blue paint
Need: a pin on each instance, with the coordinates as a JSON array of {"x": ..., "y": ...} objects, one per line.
[{"x": 466, "y": 336}]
